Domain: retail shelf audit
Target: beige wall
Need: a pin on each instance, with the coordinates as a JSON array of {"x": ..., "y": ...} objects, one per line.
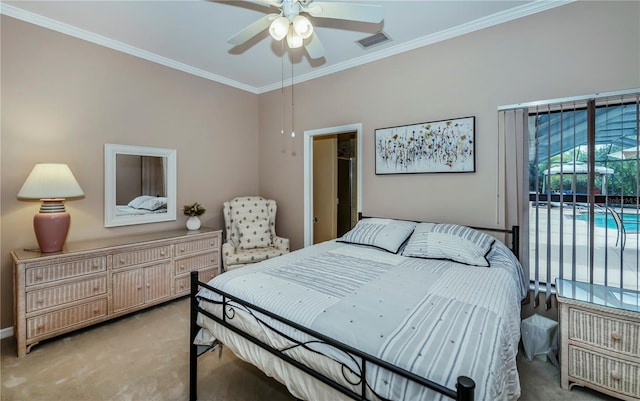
[
  {"x": 64, "y": 98},
  {"x": 576, "y": 49}
]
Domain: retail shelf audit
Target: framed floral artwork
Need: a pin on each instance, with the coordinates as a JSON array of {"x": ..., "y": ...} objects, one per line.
[{"x": 446, "y": 146}]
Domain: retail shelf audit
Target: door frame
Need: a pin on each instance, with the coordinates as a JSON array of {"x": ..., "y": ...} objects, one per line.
[{"x": 308, "y": 171}]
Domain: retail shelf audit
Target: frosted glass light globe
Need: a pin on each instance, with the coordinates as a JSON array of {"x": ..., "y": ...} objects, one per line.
[
  {"x": 302, "y": 26},
  {"x": 279, "y": 28},
  {"x": 293, "y": 39}
]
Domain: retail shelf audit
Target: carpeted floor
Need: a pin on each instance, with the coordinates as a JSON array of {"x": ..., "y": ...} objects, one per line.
[{"x": 144, "y": 357}]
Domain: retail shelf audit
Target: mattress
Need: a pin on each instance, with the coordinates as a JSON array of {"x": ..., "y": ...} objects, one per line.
[{"x": 435, "y": 318}]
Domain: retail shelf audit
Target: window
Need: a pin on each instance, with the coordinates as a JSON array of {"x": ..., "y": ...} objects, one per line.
[{"x": 583, "y": 203}]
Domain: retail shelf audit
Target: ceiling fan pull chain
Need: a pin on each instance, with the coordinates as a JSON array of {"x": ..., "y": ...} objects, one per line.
[
  {"x": 293, "y": 131},
  {"x": 282, "y": 85}
]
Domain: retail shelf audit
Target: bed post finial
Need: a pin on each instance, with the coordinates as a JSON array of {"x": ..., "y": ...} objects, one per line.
[
  {"x": 465, "y": 388},
  {"x": 515, "y": 240}
]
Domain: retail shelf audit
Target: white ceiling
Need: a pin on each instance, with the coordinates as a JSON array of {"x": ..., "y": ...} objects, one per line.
[{"x": 192, "y": 35}]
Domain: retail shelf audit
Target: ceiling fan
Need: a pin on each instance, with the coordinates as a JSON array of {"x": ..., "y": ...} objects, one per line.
[{"x": 297, "y": 28}]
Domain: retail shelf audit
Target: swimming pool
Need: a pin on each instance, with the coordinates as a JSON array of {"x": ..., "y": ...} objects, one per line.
[{"x": 605, "y": 220}]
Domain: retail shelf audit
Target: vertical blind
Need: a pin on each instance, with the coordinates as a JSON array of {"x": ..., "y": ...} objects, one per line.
[{"x": 576, "y": 189}]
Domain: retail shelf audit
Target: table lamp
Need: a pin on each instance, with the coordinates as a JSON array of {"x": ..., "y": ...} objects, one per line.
[{"x": 51, "y": 183}]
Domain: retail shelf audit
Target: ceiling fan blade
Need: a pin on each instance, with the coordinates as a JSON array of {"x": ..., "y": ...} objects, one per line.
[
  {"x": 252, "y": 30},
  {"x": 352, "y": 12},
  {"x": 314, "y": 46},
  {"x": 273, "y": 3}
]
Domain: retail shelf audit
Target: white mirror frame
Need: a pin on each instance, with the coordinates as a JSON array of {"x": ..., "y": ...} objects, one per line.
[{"x": 111, "y": 219}]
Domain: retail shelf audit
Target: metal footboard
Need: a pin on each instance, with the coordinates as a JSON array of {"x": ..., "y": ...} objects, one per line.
[{"x": 465, "y": 386}]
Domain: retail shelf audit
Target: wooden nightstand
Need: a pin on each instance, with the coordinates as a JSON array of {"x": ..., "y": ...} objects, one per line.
[{"x": 599, "y": 338}]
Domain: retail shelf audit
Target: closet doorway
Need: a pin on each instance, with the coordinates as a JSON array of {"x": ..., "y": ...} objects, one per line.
[
  {"x": 334, "y": 185},
  {"x": 332, "y": 182}
]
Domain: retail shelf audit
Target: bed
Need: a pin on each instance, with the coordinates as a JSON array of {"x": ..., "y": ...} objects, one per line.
[{"x": 393, "y": 310}]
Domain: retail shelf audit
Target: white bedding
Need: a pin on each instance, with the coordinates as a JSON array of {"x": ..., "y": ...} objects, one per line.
[
  {"x": 124, "y": 210},
  {"x": 435, "y": 318}
]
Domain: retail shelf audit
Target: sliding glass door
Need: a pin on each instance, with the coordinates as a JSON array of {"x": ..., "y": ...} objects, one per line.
[{"x": 583, "y": 201}]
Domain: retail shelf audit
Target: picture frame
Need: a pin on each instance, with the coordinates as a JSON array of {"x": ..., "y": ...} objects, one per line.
[{"x": 445, "y": 146}]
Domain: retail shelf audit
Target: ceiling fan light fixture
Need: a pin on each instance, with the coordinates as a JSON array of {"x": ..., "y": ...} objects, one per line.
[
  {"x": 302, "y": 26},
  {"x": 279, "y": 28},
  {"x": 293, "y": 39}
]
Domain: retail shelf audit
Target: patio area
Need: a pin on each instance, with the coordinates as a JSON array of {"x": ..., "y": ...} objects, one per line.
[{"x": 564, "y": 251}]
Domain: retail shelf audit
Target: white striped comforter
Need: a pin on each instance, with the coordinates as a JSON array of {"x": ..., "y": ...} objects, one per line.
[{"x": 435, "y": 318}]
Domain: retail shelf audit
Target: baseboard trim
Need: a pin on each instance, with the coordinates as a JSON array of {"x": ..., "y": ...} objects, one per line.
[{"x": 6, "y": 333}]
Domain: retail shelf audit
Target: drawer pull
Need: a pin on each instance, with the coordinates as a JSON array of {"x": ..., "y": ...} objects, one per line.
[
  {"x": 181, "y": 249},
  {"x": 162, "y": 252},
  {"x": 616, "y": 375},
  {"x": 122, "y": 260},
  {"x": 39, "y": 276},
  {"x": 40, "y": 300},
  {"x": 615, "y": 335},
  {"x": 96, "y": 310},
  {"x": 96, "y": 288},
  {"x": 95, "y": 265},
  {"x": 40, "y": 326}
]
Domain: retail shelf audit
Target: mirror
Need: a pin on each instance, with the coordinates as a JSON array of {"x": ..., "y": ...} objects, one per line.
[{"x": 139, "y": 185}]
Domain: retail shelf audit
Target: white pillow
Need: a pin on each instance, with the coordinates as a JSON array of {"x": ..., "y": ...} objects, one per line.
[
  {"x": 139, "y": 200},
  {"x": 154, "y": 203},
  {"x": 450, "y": 242},
  {"x": 254, "y": 234},
  {"x": 387, "y": 234}
]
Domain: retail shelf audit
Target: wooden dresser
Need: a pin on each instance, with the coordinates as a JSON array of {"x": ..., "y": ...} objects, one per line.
[
  {"x": 599, "y": 338},
  {"x": 93, "y": 281}
]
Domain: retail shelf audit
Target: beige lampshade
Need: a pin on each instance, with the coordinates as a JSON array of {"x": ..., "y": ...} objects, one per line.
[{"x": 50, "y": 181}]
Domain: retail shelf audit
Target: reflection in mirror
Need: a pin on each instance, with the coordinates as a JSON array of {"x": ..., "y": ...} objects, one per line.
[
  {"x": 140, "y": 176},
  {"x": 139, "y": 185}
]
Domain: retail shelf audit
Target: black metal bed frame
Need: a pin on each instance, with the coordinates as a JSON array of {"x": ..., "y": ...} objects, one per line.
[{"x": 465, "y": 386}]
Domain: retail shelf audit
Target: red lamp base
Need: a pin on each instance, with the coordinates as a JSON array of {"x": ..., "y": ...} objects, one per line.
[{"x": 51, "y": 230}]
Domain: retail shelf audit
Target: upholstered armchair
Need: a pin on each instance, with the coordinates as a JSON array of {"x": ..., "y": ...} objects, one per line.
[{"x": 250, "y": 223}]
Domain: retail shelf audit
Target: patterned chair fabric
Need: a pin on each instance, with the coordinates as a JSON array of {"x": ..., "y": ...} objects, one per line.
[{"x": 250, "y": 223}]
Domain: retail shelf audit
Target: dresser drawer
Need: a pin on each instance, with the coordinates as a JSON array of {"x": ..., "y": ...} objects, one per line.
[
  {"x": 61, "y": 270},
  {"x": 183, "y": 283},
  {"x": 604, "y": 331},
  {"x": 124, "y": 259},
  {"x": 62, "y": 294},
  {"x": 196, "y": 263},
  {"x": 612, "y": 374},
  {"x": 49, "y": 322},
  {"x": 193, "y": 246}
]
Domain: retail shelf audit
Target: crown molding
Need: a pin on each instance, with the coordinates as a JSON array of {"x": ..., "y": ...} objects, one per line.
[
  {"x": 481, "y": 23},
  {"x": 70, "y": 30}
]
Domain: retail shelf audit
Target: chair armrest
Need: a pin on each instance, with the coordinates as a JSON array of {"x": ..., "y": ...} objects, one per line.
[
  {"x": 281, "y": 243},
  {"x": 228, "y": 248}
]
